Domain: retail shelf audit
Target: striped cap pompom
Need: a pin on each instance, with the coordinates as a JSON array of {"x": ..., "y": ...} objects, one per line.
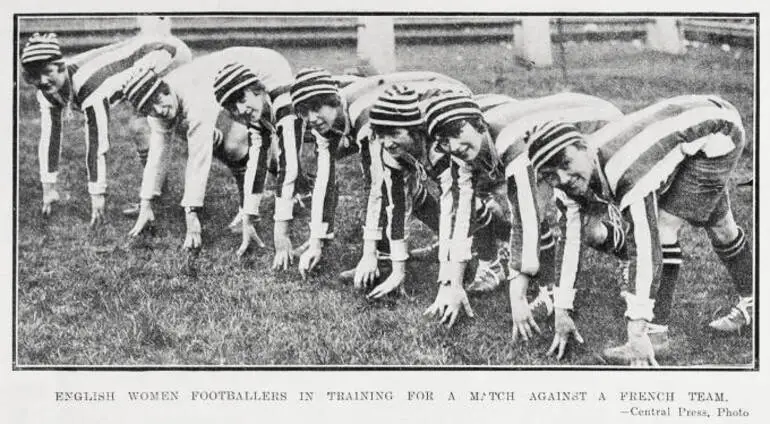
[
  {"x": 311, "y": 82},
  {"x": 231, "y": 79},
  {"x": 447, "y": 107},
  {"x": 41, "y": 48},
  {"x": 396, "y": 107},
  {"x": 547, "y": 139}
]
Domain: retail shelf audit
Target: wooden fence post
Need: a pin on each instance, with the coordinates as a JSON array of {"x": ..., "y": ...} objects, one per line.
[
  {"x": 663, "y": 34},
  {"x": 532, "y": 40},
  {"x": 377, "y": 43}
]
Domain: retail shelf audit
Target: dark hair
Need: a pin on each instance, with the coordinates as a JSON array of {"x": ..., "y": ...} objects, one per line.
[
  {"x": 416, "y": 132},
  {"x": 31, "y": 71},
  {"x": 255, "y": 87},
  {"x": 163, "y": 88},
  {"x": 556, "y": 160},
  {"x": 452, "y": 130},
  {"x": 316, "y": 102}
]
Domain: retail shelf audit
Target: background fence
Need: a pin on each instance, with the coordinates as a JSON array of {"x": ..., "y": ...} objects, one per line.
[{"x": 80, "y": 33}]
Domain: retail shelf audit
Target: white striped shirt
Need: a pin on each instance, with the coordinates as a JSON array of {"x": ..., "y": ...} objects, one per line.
[
  {"x": 196, "y": 119},
  {"x": 357, "y": 99},
  {"x": 637, "y": 155},
  {"x": 94, "y": 83},
  {"x": 508, "y": 125}
]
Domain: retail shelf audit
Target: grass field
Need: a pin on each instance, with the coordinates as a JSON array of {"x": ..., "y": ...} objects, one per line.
[{"x": 94, "y": 298}]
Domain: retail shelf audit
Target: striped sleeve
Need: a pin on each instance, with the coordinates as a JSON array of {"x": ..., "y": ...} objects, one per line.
[
  {"x": 260, "y": 144},
  {"x": 97, "y": 144},
  {"x": 569, "y": 263},
  {"x": 289, "y": 133},
  {"x": 395, "y": 184},
  {"x": 457, "y": 206},
  {"x": 372, "y": 229},
  {"x": 49, "y": 144},
  {"x": 324, "y": 192},
  {"x": 525, "y": 238},
  {"x": 102, "y": 72},
  {"x": 460, "y": 248},
  {"x": 645, "y": 148},
  {"x": 645, "y": 258}
]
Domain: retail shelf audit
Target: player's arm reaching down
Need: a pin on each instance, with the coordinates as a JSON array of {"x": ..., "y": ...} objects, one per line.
[
  {"x": 525, "y": 240},
  {"x": 367, "y": 269},
  {"x": 564, "y": 292},
  {"x": 154, "y": 172},
  {"x": 642, "y": 247},
  {"x": 323, "y": 205},
  {"x": 97, "y": 145},
  {"x": 394, "y": 182},
  {"x": 290, "y": 132},
  {"x": 199, "y": 157},
  {"x": 49, "y": 150},
  {"x": 457, "y": 199},
  {"x": 260, "y": 144}
]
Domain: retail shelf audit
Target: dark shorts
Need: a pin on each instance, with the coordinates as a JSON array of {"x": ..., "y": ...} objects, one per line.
[{"x": 698, "y": 192}]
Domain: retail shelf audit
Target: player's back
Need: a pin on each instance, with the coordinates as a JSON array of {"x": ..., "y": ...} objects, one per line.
[
  {"x": 510, "y": 122},
  {"x": 101, "y": 72}
]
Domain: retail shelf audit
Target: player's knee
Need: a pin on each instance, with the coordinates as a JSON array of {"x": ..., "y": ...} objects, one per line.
[
  {"x": 668, "y": 227},
  {"x": 723, "y": 230},
  {"x": 595, "y": 234}
]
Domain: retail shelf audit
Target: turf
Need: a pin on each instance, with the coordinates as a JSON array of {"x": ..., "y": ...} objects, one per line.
[{"x": 93, "y": 297}]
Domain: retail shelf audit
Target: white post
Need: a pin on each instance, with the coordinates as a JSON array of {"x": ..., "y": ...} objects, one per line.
[
  {"x": 532, "y": 40},
  {"x": 154, "y": 25},
  {"x": 377, "y": 43},
  {"x": 663, "y": 34}
]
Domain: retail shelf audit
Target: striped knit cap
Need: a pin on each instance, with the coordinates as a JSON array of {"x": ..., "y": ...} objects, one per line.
[
  {"x": 396, "y": 107},
  {"x": 140, "y": 87},
  {"x": 448, "y": 107},
  {"x": 231, "y": 79},
  {"x": 311, "y": 82},
  {"x": 41, "y": 48},
  {"x": 548, "y": 139}
]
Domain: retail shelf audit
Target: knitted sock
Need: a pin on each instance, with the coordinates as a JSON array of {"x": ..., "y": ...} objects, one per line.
[{"x": 738, "y": 260}]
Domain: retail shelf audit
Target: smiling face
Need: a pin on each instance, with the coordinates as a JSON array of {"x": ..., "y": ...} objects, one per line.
[
  {"x": 571, "y": 170},
  {"x": 48, "y": 78},
  {"x": 249, "y": 106},
  {"x": 461, "y": 139}
]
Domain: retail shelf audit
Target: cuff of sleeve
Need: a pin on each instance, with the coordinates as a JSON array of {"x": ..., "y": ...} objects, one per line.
[
  {"x": 320, "y": 231},
  {"x": 97, "y": 188},
  {"x": 444, "y": 273},
  {"x": 284, "y": 209},
  {"x": 398, "y": 250},
  {"x": 638, "y": 307},
  {"x": 372, "y": 233},
  {"x": 563, "y": 297},
  {"x": 49, "y": 177},
  {"x": 147, "y": 192},
  {"x": 251, "y": 203},
  {"x": 460, "y": 250}
]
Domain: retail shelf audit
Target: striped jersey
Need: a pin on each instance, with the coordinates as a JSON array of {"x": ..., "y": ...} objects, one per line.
[
  {"x": 94, "y": 82},
  {"x": 637, "y": 157},
  {"x": 357, "y": 99},
  {"x": 197, "y": 117},
  {"x": 462, "y": 181}
]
